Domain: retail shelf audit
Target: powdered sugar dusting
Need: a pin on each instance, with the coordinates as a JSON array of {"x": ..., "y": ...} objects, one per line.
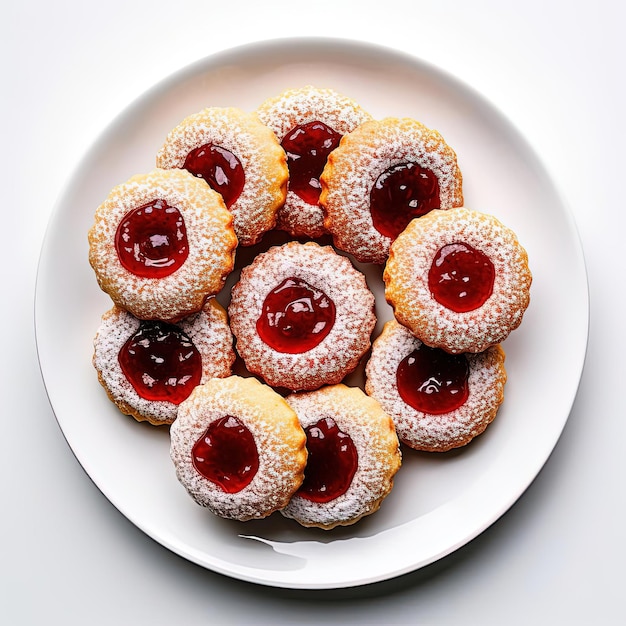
[
  {"x": 340, "y": 351},
  {"x": 279, "y": 439},
  {"x": 354, "y": 167},
  {"x": 407, "y": 290},
  {"x": 259, "y": 152},
  {"x": 372, "y": 432},
  {"x": 209, "y": 332},
  {"x": 423, "y": 431},
  {"x": 296, "y": 107},
  {"x": 210, "y": 235}
]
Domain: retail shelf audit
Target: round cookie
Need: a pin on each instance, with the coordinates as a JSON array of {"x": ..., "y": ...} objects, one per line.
[
  {"x": 458, "y": 280},
  {"x": 238, "y": 156},
  {"x": 438, "y": 401},
  {"x": 163, "y": 361},
  {"x": 309, "y": 122},
  {"x": 238, "y": 448},
  {"x": 383, "y": 174},
  {"x": 161, "y": 243},
  {"x": 353, "y": 457},
  {"x": 302, "y": 316}
]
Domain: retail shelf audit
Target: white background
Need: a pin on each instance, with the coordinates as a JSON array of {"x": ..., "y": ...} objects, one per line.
[{"x": 555, "y": 69}]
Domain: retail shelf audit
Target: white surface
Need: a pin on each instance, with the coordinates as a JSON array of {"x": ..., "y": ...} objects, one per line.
[
  {"x": 439, "y": 502},
  {"x": 556, "y": 556}
]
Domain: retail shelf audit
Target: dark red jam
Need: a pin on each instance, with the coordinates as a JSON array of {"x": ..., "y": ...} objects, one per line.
[
  {"x": 295, "y": 317},
  {"x": 331, "y": 464},
  {"x": 400, "y": 194},
  {"x": 220, "y": 168},
  {"x": 151, "y": 240},
  {"x": 161, "y": 362},
  {"x": 226, "y": 454},
  {"x": 461, "y": 277},
  {"x": 433, "y": 381},
  {"x": 307, "y": 147}
]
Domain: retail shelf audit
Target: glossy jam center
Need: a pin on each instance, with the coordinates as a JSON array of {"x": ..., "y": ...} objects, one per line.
[
  {"x": 433, "y": 381},
  {"x": 331, "y": 464},
  {"x": 295, "y": 317},
  {"x": 461, "y": 277},
  {"x": 400, "y": 194},
  {"x": 220, "y": 168},
  {"x": 161, "y": 362},
  {"x": 226, "y": 454},
  {"x": 151, "y": 240},
  {"x": 307, "y": 147}
]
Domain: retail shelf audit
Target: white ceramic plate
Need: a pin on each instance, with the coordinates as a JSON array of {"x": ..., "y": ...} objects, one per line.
[{"x": 439, "y": 502}]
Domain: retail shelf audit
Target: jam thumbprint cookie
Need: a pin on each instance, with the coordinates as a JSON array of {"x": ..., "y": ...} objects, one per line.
[
  {"x": 384, "y": 174},
  {"x": 302, "y": 316},
  {"x": 458, "y": 280},
  {"x": 353, "y": 457},
  {"x": 239, "y": 157},
  {"x": 149, "y": 367},
  {"x": 309, "y": 122},
  {"x": 161, "y": 243},
  {"x": 238, "y": 448},
  {"x": 437, "y": 400}
]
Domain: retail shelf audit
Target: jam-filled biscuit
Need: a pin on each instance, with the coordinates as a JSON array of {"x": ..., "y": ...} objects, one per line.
[
  {"x": 302, "y": 316},
  {"x": 238, "y": 448},
  {"x": 239, "y": 157},
  {"x": 458, "y": 280},
  {"x": 149, "y": 367},
  {"x": 353, "y": 457},
  {"x": 382, "y": 175},
  {"x": 161, "y": 243},
  {"x": 309, "y": 122},
  {"x": 437, "y": 400}
]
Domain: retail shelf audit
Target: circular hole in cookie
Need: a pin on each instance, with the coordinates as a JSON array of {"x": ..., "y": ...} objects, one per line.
[
  {"x": 220, "y": 168},
  {"x": 226, "y": 454},
  {"x": 151, "y": 240},
  {"x": 296, "y": 317},
  {"x": 161, "y": 362}
]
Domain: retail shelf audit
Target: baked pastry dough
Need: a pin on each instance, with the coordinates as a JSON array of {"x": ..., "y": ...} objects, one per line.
[
  {"x": 309, "y": 122},
  {"x": 244, "y": 145},
  {"x": 126, "y": 228},
  {"x": 382, "y": 175},
  {"x": 458, "y": 280},
  {"x": 206, "y": 334},
  {"x": 353, "y": 457},
  {"x": 433, "y": 407},
  {"x": 302, "y": 316},
  {"x": 238, "y": 448}
]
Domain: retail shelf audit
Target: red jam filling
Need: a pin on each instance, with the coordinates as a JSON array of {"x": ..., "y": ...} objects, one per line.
[
  {"x": 400, "y": 194},
  {"x": 151, "y": 240},
  {"x": 307, "y": 147},
  {"x": 433, "y": 381},
  {"x": 220, "y": 168},
  {"x": 295, "y": 317},
  {"x": 161, "y": 362},
  {"x": 331, "y": 464},
  {"x": 226, "y": 454},
  {"x": 461, "y": 277}
]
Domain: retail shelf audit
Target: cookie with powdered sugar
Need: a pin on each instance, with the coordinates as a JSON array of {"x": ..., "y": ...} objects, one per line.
[
  {"x": 302, "y": 316},
  {"x": 148, "y": 368},
  {"x": 384, "y": 174},
  {"x": 309, "y": 122},
  {"x": 458, "y": 280},
  {"x": 438, "y": 401},
  {"x": 239, "y": 157},
  {"x": 162, "y": 243},
  {"x": 353, "y": 457},
  {"x": 238, "y": 448}
]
